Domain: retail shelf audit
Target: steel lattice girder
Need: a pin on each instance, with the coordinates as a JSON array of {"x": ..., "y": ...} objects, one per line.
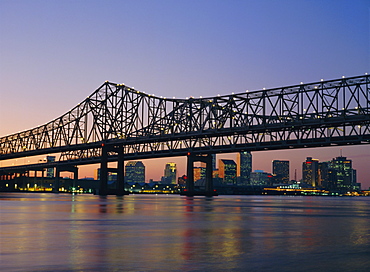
[{"x": 141, "y": 122}]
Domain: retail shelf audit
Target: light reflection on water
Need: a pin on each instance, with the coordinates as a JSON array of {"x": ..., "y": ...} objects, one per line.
[{"x": 48, "y": 232}]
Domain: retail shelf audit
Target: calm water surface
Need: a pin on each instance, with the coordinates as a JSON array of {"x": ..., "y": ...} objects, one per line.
[{"x": 49, "y": 232}]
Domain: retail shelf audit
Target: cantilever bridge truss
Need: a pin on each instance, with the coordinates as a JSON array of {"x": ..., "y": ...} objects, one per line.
[
  {"x": 117, "y": 123},
  {"x": 334, "y": 112}
]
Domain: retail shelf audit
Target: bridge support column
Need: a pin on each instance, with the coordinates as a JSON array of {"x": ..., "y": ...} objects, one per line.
[
  {"x": 103, "y": 185},
  {"x": 75, "y": 176},
  {"x": 120, "y": 173},
  {"x": 42, "y": 182},
  {"x": 207, "y": 159},
  {"x": 25, "y": 179},
  {"x": 104, "y": 170},
  {"x": 209, "y": 176},
  {"x": 190, "y": 175},
  {"x": 56, "y": 181},
  {"x": 66, "y": 168}
]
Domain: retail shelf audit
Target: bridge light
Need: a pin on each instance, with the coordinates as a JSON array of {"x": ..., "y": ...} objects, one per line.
[
  {"x": 301, "y": 82},
  {"x": 343, "y": 77},
  {"x": 321, "y": 79},
  {"x": 200, "y": 96}
]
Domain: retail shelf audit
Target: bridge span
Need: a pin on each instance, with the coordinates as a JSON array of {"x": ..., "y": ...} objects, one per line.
[{"x": 118, "y": 123}]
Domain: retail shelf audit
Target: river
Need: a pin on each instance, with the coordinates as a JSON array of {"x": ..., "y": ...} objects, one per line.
[{"x": 62, "y": 232}]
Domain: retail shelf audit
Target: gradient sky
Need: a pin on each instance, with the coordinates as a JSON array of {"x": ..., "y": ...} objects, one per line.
[{"x": 53, "y": 54}]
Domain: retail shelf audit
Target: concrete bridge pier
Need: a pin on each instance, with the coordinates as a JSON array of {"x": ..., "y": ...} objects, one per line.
[
  {"x": 120, "y": 174},
  {"x": 190, "y": 190},
  {"x": 66, "y": 168},
  {"x": 103, "y": 184},
  {"x": 104, "y": 171}
]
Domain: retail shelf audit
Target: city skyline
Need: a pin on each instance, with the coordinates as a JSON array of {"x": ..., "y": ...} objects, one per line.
[
  {"x": 192, "y": 49},
  {"x": 199, "y": 171}
]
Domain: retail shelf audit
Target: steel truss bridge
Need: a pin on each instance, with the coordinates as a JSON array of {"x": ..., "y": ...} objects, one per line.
[{"x": 117, "y": 123}]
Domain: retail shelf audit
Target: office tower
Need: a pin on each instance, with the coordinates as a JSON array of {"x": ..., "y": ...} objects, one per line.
[
  {"x": 244, "y": 167},
  {"x": 182, "y": 180},
  {"x": 112, "y": 176},
  {"x": 135, "y": 171},
  {"x": 281, "y": 171},
  {"x": 199, "y": 173},
  {"x": 259, "y": 177},
  {"x": 344, "y": 175},
  {"x": 213, "y": 162},
  {"x": 325, "y": 179},
  {"x": 170, "y": 173},
  {"x": 227, "y": 171},
  {"x": 50, "y": 171},
  {"x": 310, "y": 171}
]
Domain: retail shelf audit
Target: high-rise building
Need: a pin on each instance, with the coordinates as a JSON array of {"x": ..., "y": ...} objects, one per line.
[
  {"x": 244, "y": 167},
  {"x": 259, "y": 177},
  {"x": 170, "y": 172},
  {"x": 213, "y": 162},
  {"x": 135, "y": 171},
  {"x": 182, "y": 180},
  {"x": 227, "y": 171},
  {"x": 112, "y": 176},
  {"x": 325, "y": 176},
  {"x": 310, "y": 171},
  {"x": 344, "y": 174},
  {"x": 281, "y": 171},
  {"x": 50, "y": 171},
  {"x": 199, "y": 173}
]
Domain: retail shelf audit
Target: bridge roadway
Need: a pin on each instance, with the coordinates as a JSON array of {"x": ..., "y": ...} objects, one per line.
[{"x": 326, "y": 113}]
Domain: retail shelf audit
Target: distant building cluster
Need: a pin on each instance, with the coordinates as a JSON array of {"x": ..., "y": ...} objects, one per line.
[{"x": 336, "y": 174}]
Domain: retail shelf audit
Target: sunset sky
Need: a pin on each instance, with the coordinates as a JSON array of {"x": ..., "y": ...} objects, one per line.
[{"x": 53, "y": 54}]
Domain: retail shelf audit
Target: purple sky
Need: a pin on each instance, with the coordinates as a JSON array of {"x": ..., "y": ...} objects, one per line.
[{"x": 53, "y": 54}]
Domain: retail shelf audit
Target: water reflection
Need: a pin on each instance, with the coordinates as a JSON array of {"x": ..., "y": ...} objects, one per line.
[{"x": 46, "y": 232}]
